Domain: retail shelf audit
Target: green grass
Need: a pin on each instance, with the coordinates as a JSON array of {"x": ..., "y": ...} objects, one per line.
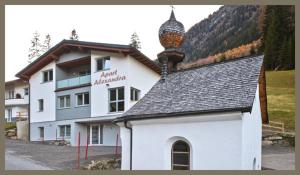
[{"x": 281, "y": 97}]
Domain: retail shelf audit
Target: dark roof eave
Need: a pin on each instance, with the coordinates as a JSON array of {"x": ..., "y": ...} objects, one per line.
[
  {"x": 25, "y": 74},
  {"x": 177, "y": 114}
]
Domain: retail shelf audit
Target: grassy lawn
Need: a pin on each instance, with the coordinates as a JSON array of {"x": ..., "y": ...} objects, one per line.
[{"x": 281, "y": 97}]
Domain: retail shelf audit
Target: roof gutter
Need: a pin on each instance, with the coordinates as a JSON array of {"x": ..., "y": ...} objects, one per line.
[
  {"x": 179, "y": 114},
  {"x": 130, "y": 129}
]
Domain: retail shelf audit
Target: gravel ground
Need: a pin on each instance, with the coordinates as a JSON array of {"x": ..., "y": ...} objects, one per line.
[
  {"x": 278, "y": 157},
  {"x": 57, "y": 157}
]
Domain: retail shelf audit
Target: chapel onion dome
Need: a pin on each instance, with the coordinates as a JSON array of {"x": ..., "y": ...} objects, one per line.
[{"x": 171, "y": 33}]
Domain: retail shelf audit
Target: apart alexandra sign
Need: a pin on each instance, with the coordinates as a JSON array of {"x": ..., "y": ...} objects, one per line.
[{"x": 109, "y": 77}]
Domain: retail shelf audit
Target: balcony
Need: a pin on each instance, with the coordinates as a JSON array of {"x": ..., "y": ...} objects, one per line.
[
  {"x": 17, "y": 101},
  {"x": 71, "y": 82}
]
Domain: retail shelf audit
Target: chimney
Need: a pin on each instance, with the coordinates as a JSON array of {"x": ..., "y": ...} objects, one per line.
[{"x": 171, "y": 35}]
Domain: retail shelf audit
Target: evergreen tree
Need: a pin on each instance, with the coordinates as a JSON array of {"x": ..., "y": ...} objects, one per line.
[
  {"x": 74, "y": 35},
  {"x": 278, "y": 37},
  {"x": 36, "y": 47},
  {"x": 135, "y": 41},
  {"x": 47, "y": 43}
]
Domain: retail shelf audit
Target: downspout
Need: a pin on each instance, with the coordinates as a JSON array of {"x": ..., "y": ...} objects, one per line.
[
  {"x": 28, "y": 111},
  {"x": 126, "y": 126}
]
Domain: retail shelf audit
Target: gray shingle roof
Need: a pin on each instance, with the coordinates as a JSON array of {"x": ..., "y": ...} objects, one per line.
[{"x": 225, "y": 86}]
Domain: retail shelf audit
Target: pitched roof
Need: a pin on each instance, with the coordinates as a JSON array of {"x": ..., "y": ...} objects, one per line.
[
  {"x": 14, "y": 82},
  {"x": 67, "y": 45},
  {"x": 224, "y": 86}
]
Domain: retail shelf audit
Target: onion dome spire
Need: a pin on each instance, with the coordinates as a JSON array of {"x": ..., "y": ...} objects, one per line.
[{"x": 171, "y": 33}]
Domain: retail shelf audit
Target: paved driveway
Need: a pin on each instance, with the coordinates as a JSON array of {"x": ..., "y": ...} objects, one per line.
[
  {"x": 45, "y": 156},
  {"x": 278, "y": 157}
]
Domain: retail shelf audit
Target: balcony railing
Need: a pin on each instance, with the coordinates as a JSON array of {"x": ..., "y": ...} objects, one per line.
[
  {"x": 73, "y": 81},
  {"x": 17, "y": 101}
]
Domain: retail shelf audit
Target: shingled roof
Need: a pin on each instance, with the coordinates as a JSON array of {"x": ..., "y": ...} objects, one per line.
[{"x": 226, "y": 86}]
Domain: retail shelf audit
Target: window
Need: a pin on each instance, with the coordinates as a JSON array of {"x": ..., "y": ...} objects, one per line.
[
  {"x": 254, "y": 164},
  {"x": 180, "y": 156},
  {"x": 26, "y": 91},
  {"x": 84, "y": 73},
  {"x": 64, "y": 101},
  {"x": 116, "y": 99},
  {"x": 97, "y": 134},
  {"x": 134, "y": 94},
  {"x": 65, "y": 130},
  {"x": 9, "y": 115},
  {"x": 41, "y": 130},
  {"x": 103, "y": 63},
  {"x": 41, "y": 104},
  {"x": 18, "y": 96},
  {"x": 83, "y": 99},
  {"x": 48, "y": 75},
  {"x": 11, "y": 94}
]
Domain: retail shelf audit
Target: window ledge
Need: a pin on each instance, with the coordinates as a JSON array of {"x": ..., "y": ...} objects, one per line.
[
  {"x": 82, "y": 106},
  {"x": 63, "y": 108}
]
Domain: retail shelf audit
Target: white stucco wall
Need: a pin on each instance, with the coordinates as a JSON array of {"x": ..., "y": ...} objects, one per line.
[
  {"x": 140, "y": 77},
  {"x": 99, "y": 97},
  {"x": 252, "y": 134},
  {"x": 135, "y": 73},
  {"x": 40, "y": 90},
  {"x": 215, "y": 142}
]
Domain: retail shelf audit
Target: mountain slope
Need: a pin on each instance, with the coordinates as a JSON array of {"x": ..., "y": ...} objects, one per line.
[{"x": 227, "y": 28}]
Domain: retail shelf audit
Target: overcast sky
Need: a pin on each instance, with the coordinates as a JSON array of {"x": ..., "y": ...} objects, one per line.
[{"x": 106, "y": 24}]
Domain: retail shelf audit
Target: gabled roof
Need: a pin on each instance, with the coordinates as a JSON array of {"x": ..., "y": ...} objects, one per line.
[
  {"x": 14, "y": 82},
  {"x": 68, "y": 45},
  {"x": 226, "y": 86}
]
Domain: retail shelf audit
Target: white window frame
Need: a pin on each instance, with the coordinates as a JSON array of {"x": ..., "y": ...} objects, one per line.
[
  {"x": 26, "y": 91},
  {"x": 103, "y": 63},
  {"x": 11, "y": 94},
  {"x": 65, "y": 102},
  {"x": 48, "y": 76},
  {"x": 83, "y": 99},
  {"x": 64, "y": 127},
  {"x": 39, "y": 105},
  {"x": 9, "y": 114},
  {"x": 117, "y": 100},
  {"x": 133, "y": 98},
  {"x": 100, "y": 129}
]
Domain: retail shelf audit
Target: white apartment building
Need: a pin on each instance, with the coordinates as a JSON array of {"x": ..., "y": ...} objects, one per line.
[
  {"x": 80, "y": 87},
  {"x": 16, "y": 100}
]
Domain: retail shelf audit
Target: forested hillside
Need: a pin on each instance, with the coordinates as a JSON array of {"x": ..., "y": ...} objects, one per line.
[{"x": 236, "y": 31}]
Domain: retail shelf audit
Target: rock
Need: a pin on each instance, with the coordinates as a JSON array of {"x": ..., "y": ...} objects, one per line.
[
  {"x": 14, "y": 137},
  {"x": 11, "y": 134},
  {"x": 274, "y": 138},
  {"x": 267, "y": 142}
]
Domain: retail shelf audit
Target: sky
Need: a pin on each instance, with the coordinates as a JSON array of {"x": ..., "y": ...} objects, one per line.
[{"x": 96, "y": 23}]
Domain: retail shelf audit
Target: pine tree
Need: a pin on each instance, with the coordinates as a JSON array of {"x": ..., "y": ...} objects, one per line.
[
  {"x": 74, "y": 35},
  {"x": 135, "y": 41},
  {"x": 283, "y": 54},
  {"x": 36, "y": 47},
  {"x": 47, "y": 43}
]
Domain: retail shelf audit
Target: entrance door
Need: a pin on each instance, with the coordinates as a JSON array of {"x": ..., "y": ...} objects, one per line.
[
  {"x": 96, "y": 134},
  {"x": 41, "y": 133}
]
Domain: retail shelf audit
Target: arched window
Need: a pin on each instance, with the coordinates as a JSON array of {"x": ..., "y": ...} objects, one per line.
[
  {"x": 254, "y": 164},
  {"x": 18, "y": 96},
  {"x": 180, "y": 156}
]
